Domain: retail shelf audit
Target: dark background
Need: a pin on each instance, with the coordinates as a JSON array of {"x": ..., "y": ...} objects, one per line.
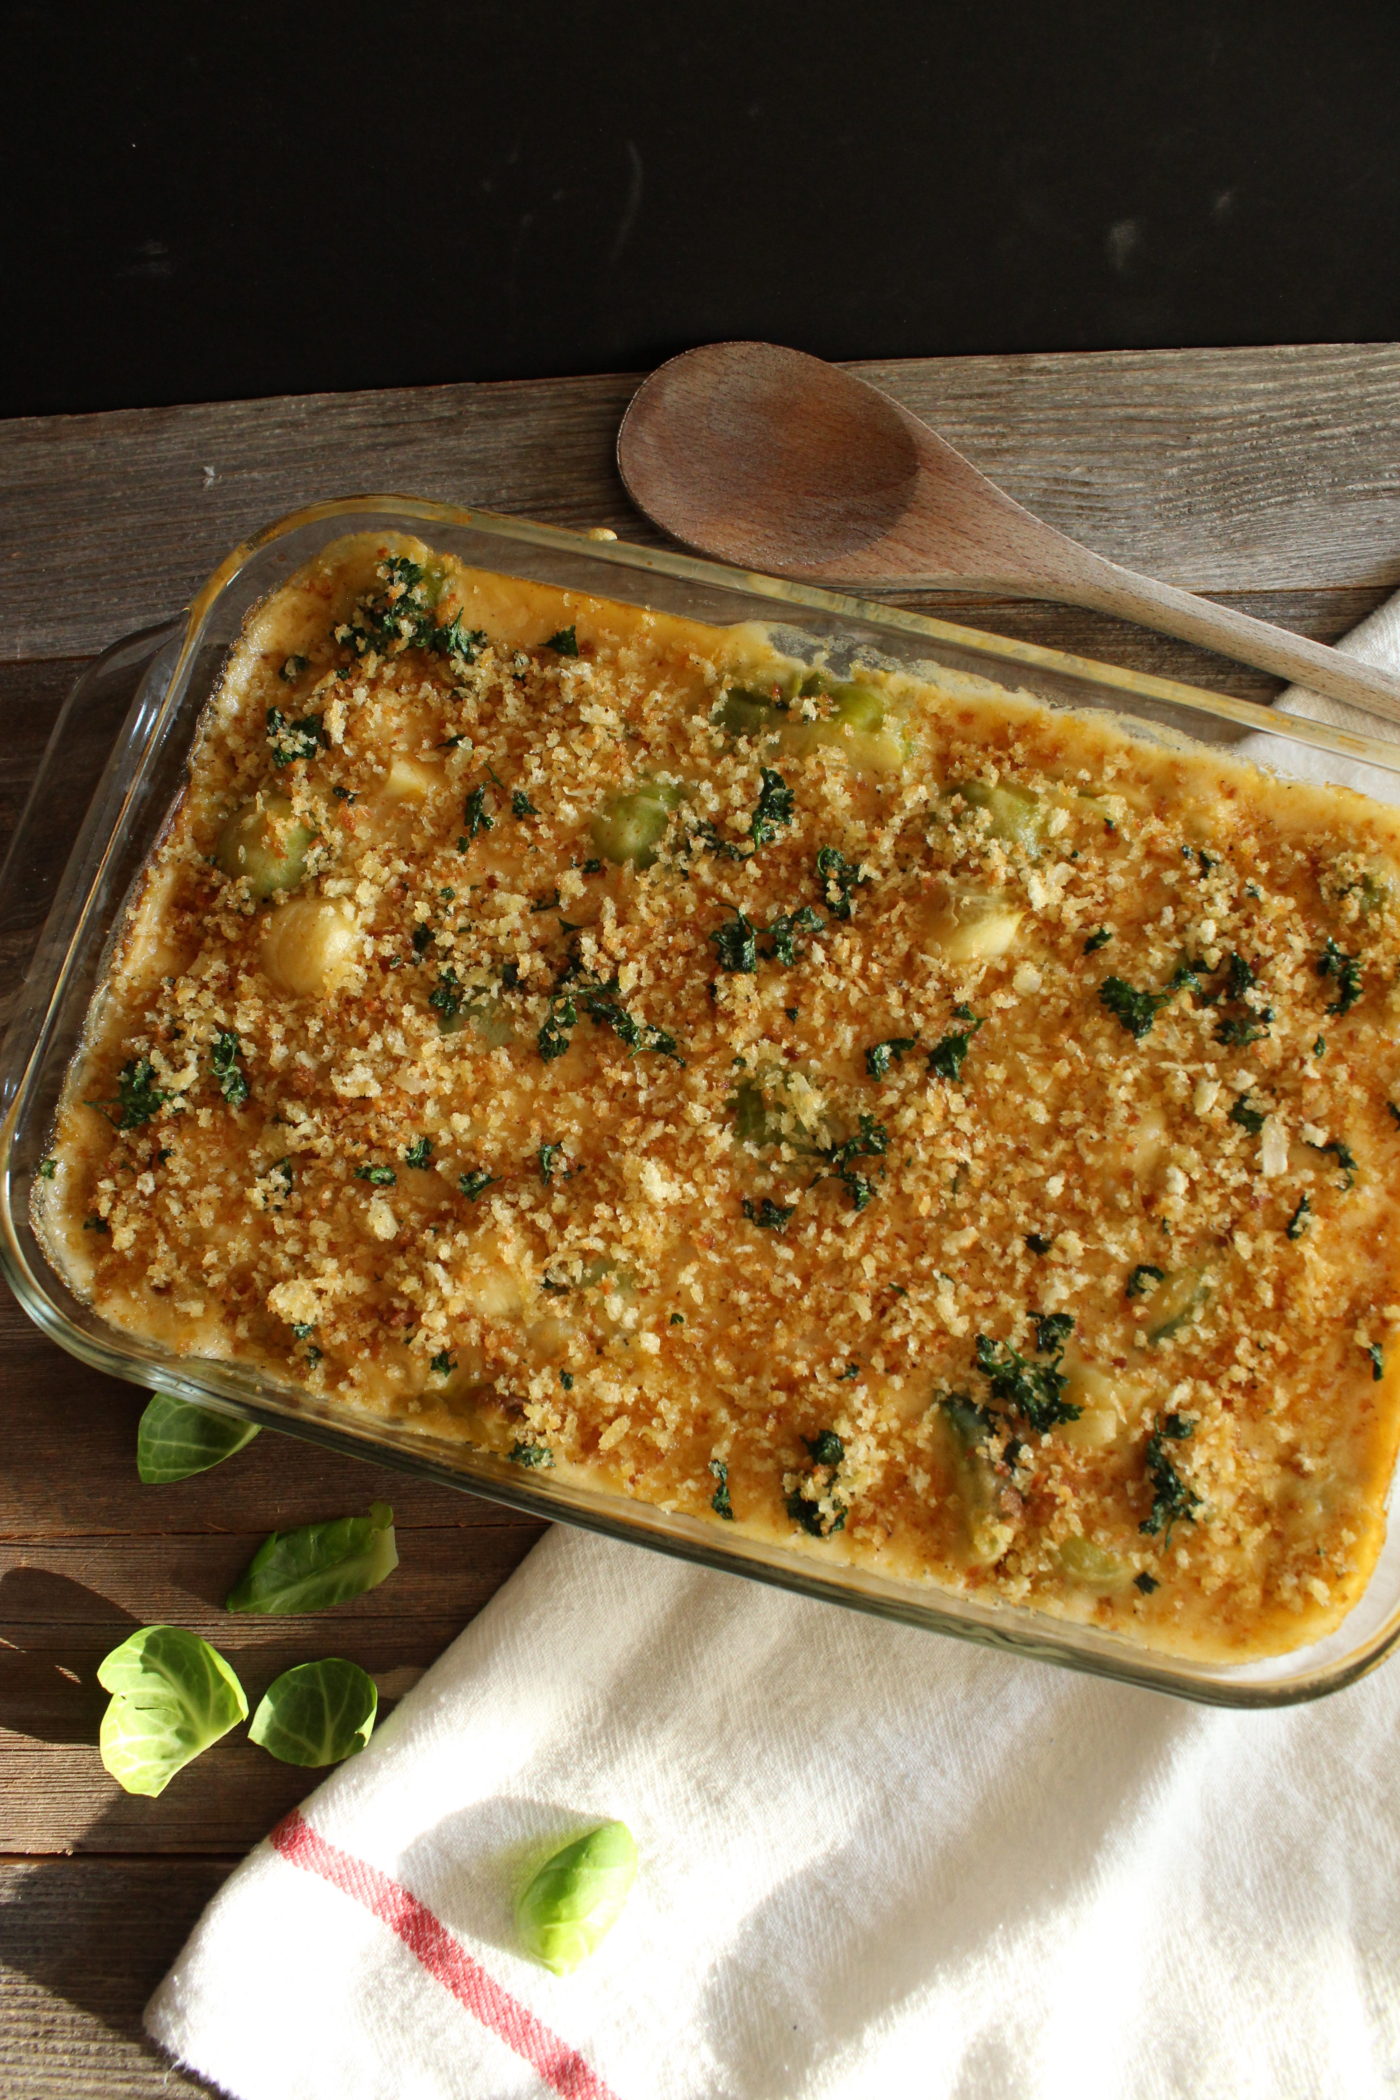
[{"x": 206, "y": 201}]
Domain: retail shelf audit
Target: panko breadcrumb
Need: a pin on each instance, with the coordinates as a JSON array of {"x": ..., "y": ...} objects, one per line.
[{"x": 947, "y": 1136}]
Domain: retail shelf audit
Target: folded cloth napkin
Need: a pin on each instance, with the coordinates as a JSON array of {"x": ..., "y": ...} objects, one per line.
[{"x": 874, "y": 1863}]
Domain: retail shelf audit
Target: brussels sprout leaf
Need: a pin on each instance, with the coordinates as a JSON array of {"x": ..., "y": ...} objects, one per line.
[
  {"x": 172, "y": 1696},
  {"x": 318, "y": 1565},
  {"x": 317, "y": 1713},
  {"x": 176, "y": 1439}
]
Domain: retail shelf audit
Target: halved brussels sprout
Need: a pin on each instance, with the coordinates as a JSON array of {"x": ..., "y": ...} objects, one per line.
[
  {"x": 630, "y": 826},
  {"x": 777, "y": 1106},
  {"x": 1093, "y": 1565},
  {"x": 1017, "y": 816},
  {"x": 744, "y": 712},
  {"x": 309, "y": 945},
  {"x": 973, "y": 925},
  {"x": 266, "y": 844},
  {"x": 1176, "y": 1301},
  {"x": 975, "y": 1484},
  {"x": 860, "y": 707}
]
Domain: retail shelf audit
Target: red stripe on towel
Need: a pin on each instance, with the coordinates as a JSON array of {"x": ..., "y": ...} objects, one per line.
[{"x": 444, "y": 1958}]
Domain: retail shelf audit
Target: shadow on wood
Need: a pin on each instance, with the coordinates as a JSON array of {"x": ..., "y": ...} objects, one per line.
[
  {"x": 54, "y": 1700},
  {"x": 85, "y": 1943}
]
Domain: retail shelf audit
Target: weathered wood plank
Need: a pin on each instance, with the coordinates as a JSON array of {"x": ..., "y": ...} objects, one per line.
[
  {"x": 55, "y": 1796},
  {"x": 1266, "y": 477},
  {"x": 82, "y": 1946},
  {"x": 1220, "y": 470},
  {"x": 70, "y": 1466}
]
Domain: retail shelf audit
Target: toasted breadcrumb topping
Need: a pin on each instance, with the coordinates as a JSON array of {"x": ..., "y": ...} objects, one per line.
[{"x": 960, "y": 1130}]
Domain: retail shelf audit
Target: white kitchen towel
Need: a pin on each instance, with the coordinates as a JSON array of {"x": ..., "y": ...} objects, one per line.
[{"x": 875, "y": 1863}]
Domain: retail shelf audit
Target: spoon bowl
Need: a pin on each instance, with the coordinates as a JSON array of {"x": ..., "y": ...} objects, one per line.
[{"x": 770, "y": 459}]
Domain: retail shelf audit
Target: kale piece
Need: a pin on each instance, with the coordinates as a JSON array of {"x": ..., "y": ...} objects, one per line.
[
  {"x": 839, "y": 878},
  {"x": 1173, "y": 1500},
  {"x": 1142, "y": 1278},
  {"x": 776, "y": 802},
  {"x": 289, "y": 741},
  {"x": 736, "y": 943},
  {"x": 787, "y": 929},
  {"x": 827, "y": 1448},
  {"x": 879, "y": 1056},
  {"x": 138, "y": 1096},
  {"x": 1035, "y": 1390},
  {"x": 554, "y": 1037},
  {"x": 1136, "y": 1011},
  {"x": 1346, "y": 970},
  {"x": 224, "y": 1064},
  {"x": 949, "y": 1053}
]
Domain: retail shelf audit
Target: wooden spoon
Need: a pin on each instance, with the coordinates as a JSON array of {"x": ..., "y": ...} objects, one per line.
[{"x": 774, "y": 460}]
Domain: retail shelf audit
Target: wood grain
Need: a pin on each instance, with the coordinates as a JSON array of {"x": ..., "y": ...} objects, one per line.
[
  {"x": 1267, "y": 477},
  {"x": 82, "y": 1946},
  {"x": 1217, "y": 470},
  {"x": 770, "y": 459}
]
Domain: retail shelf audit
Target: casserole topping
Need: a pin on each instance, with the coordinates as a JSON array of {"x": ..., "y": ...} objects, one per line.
[{"x": 944, "y": 1135}]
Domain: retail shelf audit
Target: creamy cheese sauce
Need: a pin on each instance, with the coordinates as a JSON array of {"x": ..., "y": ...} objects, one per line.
[{"x": 947, "y": 1136}]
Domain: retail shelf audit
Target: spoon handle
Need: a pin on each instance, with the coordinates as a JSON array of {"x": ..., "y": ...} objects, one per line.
[{"x": 1106, "y": 587}]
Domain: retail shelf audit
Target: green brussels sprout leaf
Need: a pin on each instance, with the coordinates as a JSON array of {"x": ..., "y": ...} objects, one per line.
[
  {"x": 172, "y": 1696},
  {"x": 176, "y": 1438},
  {"x": 318, "y": 1565},
  {"x": 316, "y": 1714},
  {"x": 576, "y": 1897}
]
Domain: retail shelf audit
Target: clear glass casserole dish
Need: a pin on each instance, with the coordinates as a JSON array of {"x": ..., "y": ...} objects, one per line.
[{"x": 124, "y": 739}]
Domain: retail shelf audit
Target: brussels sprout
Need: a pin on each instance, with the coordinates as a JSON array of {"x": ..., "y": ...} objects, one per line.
[
  {"x": 318, "y": 1565},
  {"x": 1093, "y": 1565},
  {"x": 973, "y": 925},
  {"x": 743, "y": 712},
  {"x": 630, "y": 826},
  {"x": 777, "y": 1106},
  {"x": 1176, "y": 1302},
  {"x": 575, "y": 1898},
  {"x": 974, "y": 1481},
  {"x": 1018, "y": 817},
  {"x": 265, "y": 844},
  {"x": 859, "y": 707},
  {"x": 309, "y": 945}
]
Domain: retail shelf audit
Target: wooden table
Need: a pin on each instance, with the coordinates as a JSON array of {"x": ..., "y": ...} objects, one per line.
[{"x": 1270, "y": 478}]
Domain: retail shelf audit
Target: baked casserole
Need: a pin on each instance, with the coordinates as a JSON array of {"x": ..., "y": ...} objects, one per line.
[{"x": 944, "y": 1134}]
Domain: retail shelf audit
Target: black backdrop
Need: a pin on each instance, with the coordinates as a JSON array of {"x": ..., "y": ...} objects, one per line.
[{"x": 210, "y": 200}]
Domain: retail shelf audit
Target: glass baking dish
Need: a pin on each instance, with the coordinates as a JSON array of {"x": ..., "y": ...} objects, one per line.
[{"x": 113, "y": 771}]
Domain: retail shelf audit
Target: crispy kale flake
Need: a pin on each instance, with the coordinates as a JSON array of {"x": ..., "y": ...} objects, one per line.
[
  {"x": 1136, "y": 1011},
  {"x": 1035, "y": 1390},
  {"x": 138, "y": 1096},
  {"x": 776, "y": 801},
  {"x": 1173, "y": 1501},
  {"x": 1346, "y": 971},
  {"x": 289, "y": 741},
  {"x": 838, "y": 877},
  {"x": 880, "y": 1056},
  {"x": 224, "y": 1064},
  {"x": 736, "y": 943}
]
